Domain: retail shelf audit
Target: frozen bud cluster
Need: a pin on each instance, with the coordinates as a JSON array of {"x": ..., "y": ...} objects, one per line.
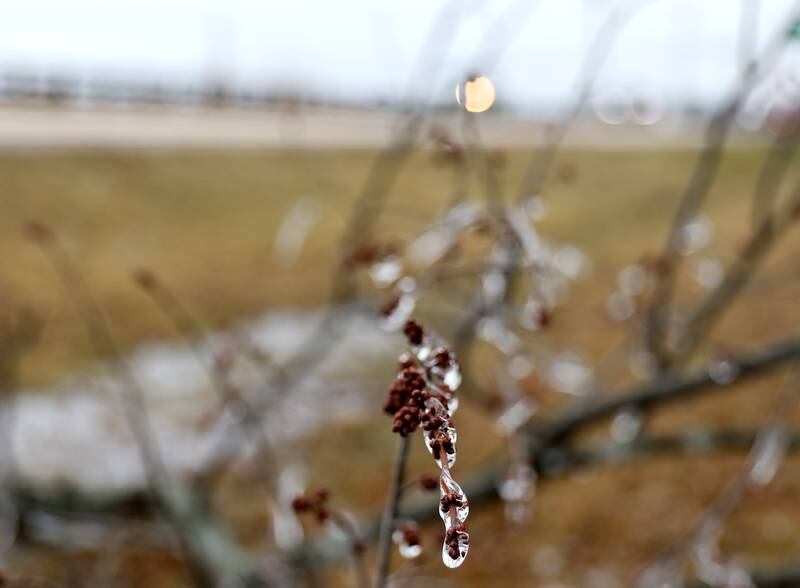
[
  {"x": 406, "y": 537},
  {"x": 370, "y": 254},
  {"x": 315, "y": 503},
  {"x": 423, "y": 396},
  {"x": 428, "y": 482}
]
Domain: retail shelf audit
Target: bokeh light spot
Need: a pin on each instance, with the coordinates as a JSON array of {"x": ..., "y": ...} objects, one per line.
[{"x": 476, "y": 95}]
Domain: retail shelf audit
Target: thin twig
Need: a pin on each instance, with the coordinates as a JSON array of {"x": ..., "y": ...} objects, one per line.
[
  {"x": 213, "y": 557},
  {"x": 764, "y": 237},
  {"x": 357, "y": 547},
  {"x": 697, "y": 189},
  {"x": 390, "y": 514}
]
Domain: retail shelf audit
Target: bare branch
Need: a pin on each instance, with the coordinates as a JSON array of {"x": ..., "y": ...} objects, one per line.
[{"x": 212, "y": 555}]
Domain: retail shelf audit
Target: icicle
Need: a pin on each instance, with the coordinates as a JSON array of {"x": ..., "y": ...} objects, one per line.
[
  {"x": 444, "y": 368},
  {"x": 385, "y": 271},
  {"x": 455, "y": 547},
  {"x": 493, "y": 330},
  {"x": 293, "y": 231},
  {"x": 397, "y": 312},
  {"x": 409, "y": 551},
  {"x": 712, "y": 570},
  {"x": 441, "y": 446},
  {"x": 709, "y": 273},
  {"x": 695, "y": 234},
  {"x": 768, "y": 453},
  {"x": 454, "y": 506},
  {"x": 533, "y": 315},
  {"x": 569, "y": 374},
  {"x": 517, "y": 490},
  {"x": 626, "y": 425},
  {"x": 429, "y": 247},
  {"x": 620, "y": 307},
  {"x": 406, "y": 537},
  {"x": 516, "y": 415},
  {"x": 424, "y": 350},
  {"x": 722, "y": 371},
  {"x": 536, "y": 207},
  {"x": 494, "y": 286},
  {"x": 520, "y": 367},
  {"x": 570, "y": 261},
  {"x": 632, "y": 280},
  {"x": 452, "y": 377},
  {"x": 287, "y": 530}
]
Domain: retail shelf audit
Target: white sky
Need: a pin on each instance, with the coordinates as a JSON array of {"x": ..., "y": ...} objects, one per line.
[{"x": 368, "y": 48}]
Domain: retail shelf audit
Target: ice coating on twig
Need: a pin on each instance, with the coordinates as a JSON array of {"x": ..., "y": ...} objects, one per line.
[
  {"x": 423, "y": 396},
  {"x": 397, "y": 311},
  {"x": 518, "y": 486},
  {"x": 453, "y": 504},
  {"x": 517, "y": 491},
  {"x": 406, "y": 537},
  {"x": 456, "y": 546},
  {"x": 386, "y": 271}
]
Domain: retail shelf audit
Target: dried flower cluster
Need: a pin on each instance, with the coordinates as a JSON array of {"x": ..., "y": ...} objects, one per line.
[
  {"x": 315, "y": 503},
  {"x": 423, "y": 396}
]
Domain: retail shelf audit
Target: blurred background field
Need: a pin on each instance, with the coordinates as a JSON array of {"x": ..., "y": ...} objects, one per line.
[
  {"x": 198, "y": 166},
  {"x": 206, "y": 222}
]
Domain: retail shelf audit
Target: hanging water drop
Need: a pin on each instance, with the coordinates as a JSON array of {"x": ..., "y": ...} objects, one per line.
[
  {"x": 723, "y": 370},
  {"x": 626, "y": 425},
  {"x": 620, "y": 307}
]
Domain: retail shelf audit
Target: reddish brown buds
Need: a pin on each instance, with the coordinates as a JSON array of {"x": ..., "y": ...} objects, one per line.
[{"x": 414, "y": 332}]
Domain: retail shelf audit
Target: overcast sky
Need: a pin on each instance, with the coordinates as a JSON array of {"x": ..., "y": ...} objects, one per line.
[{"x": 532, "y": 49}]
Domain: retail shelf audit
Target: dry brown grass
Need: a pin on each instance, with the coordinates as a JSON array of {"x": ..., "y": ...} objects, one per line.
[{"x": 205, "y": 221}]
